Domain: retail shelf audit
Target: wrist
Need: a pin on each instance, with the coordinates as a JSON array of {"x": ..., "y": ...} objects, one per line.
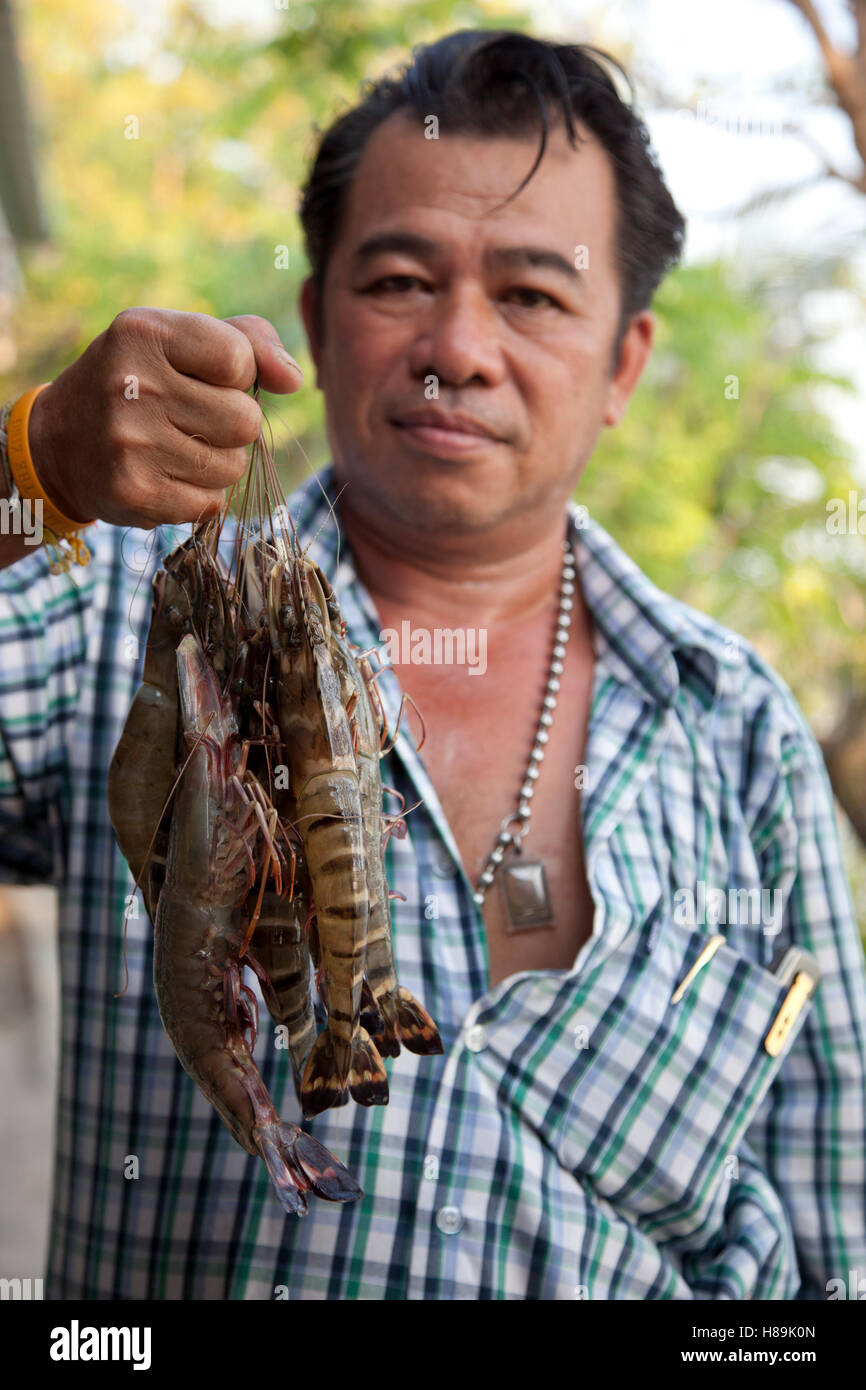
[{"x": 46, "y": 455}]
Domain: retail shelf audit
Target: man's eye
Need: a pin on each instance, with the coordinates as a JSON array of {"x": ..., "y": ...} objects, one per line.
[
  {"x": 528, "y": 290},
  {"x": 399, "y": 283},
  {"x": 393, "y": 280}
]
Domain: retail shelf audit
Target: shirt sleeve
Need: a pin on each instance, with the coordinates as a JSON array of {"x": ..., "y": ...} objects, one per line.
[
  {"x": 810, "y": 1130},
  {"x": 43, "y": 639}
]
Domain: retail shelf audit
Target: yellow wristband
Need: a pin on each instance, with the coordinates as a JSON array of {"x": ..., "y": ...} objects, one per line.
[{"x": 21, "y": 464}]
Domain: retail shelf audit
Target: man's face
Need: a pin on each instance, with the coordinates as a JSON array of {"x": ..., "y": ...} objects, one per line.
[{"x": 472, "y": 312}]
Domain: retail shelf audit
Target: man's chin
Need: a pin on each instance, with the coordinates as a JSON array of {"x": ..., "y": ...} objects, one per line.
[
  {"x": 418, "y": 488},
  {"x": 434, "y": 499}
]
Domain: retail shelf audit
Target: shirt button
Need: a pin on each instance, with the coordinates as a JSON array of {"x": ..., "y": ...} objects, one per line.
[
  {"x": 475, "y": 1037},
  {"x": 449, "y": 1220},
  {"x": 444, "y": 866}
]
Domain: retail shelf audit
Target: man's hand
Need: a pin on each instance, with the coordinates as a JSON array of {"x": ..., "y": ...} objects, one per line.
[{"x": 149, "y": 424}]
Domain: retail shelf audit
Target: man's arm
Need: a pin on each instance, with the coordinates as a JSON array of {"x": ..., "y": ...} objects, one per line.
[
  {"x": 35, "y": 699},
  {"x": 43, "y": 645},
  {"x": 810, "y": 1131},
  {"x": 150, "y": 424}
]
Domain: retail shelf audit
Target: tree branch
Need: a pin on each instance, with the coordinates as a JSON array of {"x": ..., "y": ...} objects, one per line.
[
  {"x": 858, "y": 9},
  {"x": 829, "y": 169},
  {"x": 845, "y": 71}
]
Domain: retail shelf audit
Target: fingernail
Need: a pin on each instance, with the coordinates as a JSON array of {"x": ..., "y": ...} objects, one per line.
[{"x": 287, "y": 358}]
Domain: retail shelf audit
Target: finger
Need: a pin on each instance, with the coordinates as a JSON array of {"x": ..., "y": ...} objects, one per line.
[
  {"x": 167, "y": 504},
  {"x": 277, "y": 369},
  {"x": 225, "y": 417},
  {"x": 199, "y": 346},
  {"x": 190, "y": 504},
  {"x": 187, "y": 460}
]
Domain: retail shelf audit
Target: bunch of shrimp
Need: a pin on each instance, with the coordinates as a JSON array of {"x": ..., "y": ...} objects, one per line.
[{"x": 246, "y": 787}]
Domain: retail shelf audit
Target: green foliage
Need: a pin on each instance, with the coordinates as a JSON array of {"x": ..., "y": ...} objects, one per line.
[{"x": 718, "y": 479}]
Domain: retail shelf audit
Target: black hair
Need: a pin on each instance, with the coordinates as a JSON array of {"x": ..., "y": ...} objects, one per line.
[{"x": 504, "y": 83}]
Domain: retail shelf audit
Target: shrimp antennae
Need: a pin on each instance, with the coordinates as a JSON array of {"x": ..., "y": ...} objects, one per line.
[{"x": 332, "y": 513}]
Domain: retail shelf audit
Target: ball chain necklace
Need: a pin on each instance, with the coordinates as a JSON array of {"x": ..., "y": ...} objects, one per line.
[{"x": 524, "y": 882}]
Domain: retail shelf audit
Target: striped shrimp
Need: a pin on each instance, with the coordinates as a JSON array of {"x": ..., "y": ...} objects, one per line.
[
  {"x": 319, "y": 748},
  {"x": 213, "y": 818},
  {"x": 404, "y": 1019},
  {"x": 188, "y": 595},
  {"x": 199, "y": 940},
  {"x": 281, "y": 938}
]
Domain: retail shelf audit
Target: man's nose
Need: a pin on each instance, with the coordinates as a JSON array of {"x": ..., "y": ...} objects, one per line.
[{"x": 459, "y": 337}]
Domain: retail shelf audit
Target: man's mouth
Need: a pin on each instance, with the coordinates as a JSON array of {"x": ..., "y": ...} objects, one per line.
[{"x": 439, "y": 431}]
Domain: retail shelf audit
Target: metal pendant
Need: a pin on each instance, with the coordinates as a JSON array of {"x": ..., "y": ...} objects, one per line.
[{"x": 524, "y": 888}]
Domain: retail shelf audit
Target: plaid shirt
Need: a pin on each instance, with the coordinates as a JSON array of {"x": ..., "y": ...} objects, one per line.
[{"x": 580, "y": 1137}]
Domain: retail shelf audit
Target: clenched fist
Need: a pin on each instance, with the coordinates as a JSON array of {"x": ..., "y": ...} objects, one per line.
[{"x": 150, "y": 424}]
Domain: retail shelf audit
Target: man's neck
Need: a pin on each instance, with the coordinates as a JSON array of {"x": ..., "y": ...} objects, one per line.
[{"x": 480, "y": 583}]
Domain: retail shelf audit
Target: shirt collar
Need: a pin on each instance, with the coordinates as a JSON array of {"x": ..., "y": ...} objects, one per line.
[
  {"x": 651, "y": 641},
  {"x": 647, "y": 639}
]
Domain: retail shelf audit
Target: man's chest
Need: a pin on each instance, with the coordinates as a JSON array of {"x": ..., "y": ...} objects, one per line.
[{"x": 479, "y": 733}]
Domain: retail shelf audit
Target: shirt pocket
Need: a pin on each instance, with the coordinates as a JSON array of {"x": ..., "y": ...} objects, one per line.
[{"x": 663, "y": 1094}]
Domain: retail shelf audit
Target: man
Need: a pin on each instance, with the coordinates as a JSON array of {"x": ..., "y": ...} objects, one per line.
[{"x": 591, "y": 1130}]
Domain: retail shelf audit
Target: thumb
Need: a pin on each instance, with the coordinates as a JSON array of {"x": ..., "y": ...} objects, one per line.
[{"x": 277, "y": 369}]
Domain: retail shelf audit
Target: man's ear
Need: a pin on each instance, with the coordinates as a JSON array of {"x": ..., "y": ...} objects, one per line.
[
  {"x": 308, "y": 299},
  {"x": 634, "y": 354}
]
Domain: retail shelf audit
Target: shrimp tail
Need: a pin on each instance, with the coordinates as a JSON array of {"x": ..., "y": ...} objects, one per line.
[
  {"x": 371, "y": 1019},
  {"x": 297, "y": 1162},
  {"x": 368, "y": 1080},
  {"x": 407, "y": 1021},
  {"x": 323, "y": 1085}
]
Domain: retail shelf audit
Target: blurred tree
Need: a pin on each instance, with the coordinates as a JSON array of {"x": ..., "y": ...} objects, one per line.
[
  {"x": 846, "y": 78},
  {"x": 719, "y": 476},
  {"x": 845, "y": 745}
]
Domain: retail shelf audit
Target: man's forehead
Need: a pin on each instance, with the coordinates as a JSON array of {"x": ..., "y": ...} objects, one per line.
[{"x": 470, "y": 175}]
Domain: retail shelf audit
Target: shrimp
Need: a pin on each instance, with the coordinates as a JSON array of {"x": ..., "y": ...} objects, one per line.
[
  {"x": 404, "y": 1019},
  {"x": 404, "y": 1016},
  {"x": 280, "y": 944},
  {"x": 142, "y": 770},
  {"x": 316, "y": 735},
  {"x": 281, "y": 936},
  {"x": 187, "y": 596},
  {"x": 205, "y": 1008}
]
